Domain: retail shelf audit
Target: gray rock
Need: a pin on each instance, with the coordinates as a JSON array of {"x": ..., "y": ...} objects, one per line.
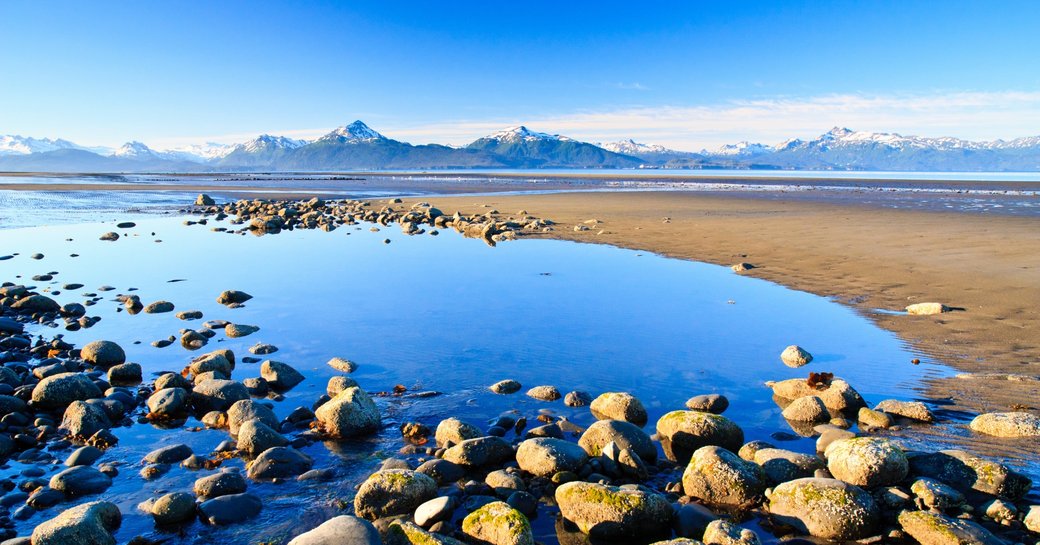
[
  {"x": 442, "y": 471},
  {"x": 233, "y": 297},
  {"x": 173, "y": 508},
  {"x": 82, "y": 419},
  {"x": 281, "y": 376},
  {"x": 691, "y": 519},
  {"x": 623, "y": 434},
  {"x": 498, "y": 524},
  {"x": 125, "y": 374},
  {"x": 504, "y": 483},
  {"x": 867, "y": 461},
  {"x": 217, "y": 395},
  {"x": 168, "y": 402},
  {"x": 434, "y": 511},
  {"x": 806, "y": 409},
  {"x": 278, "y": 463},
  {"x": 837, "y": 396},
  {"x": 221, "y": 483},
  {"x": 171, "y": 380},
  {"x": 36, "y": 303},
  {"x": 545, "y": 457},
  {"x": 248, "y": 409},
  {"x": 57, "y": 391},
  {"x": 619, "y": 406},
  {"x": 255, "y": 437},
  {"x": 452, "y": 431},
  {"x": 721, "y": 532},
  {"x": 86, "y": 524},
  {"x": 544, "y": 393},
  {"x": 1009, "y": 424},
  {"x": 965, "y": 472},
  {"x": 351, "y": 413},
  {"x": 340, "y": 530},
  {"x": 914, "y": 410},
  {"x": 610, "y": 512},
  {"x": 936, "y": 529},
  {"x": 80, "y": 481},
  {"x": 479, "y": 452},
  {"x": 204, "y": 200},
  {"x": 711, "y": 403},
  {"x": 936, "y": 495},
  {"x": 102, "y": 353},
  {"x": 507, "y": 386},
  {"x": 83, "y": 456},
  {"x": 824, "y": 508},
  {"x": 716, "y": 476},
  {"x": 230, "y": 509},
  {"x": 158, "y": 307},
  {"x": 577, "y": 398},
  {"x": 393, "y": 492},
  {"x": 784, "y": 465},
  {"x": 169, "y": 454},
  {"x": 795, "y": 356},
  {"x": 749, "y": 449},
  {"x": 682, "y": 432}
]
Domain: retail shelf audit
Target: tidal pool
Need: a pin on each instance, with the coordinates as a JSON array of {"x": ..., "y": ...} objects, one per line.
[{"x": 443, "y": 314}]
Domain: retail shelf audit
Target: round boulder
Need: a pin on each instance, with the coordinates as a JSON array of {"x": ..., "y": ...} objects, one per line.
[
  {"x": 610, "y": 512},
  {"x": 351, "y": 413},
  {"x": 824, "y": 508},
  {"x": 57, "y": 391},
  {"x": 393, "y": 492},
  {"x": 546, "y": 456},
  {"x": 795, "y": 356},
  {"x": 619, "y": 406},
  {"x": 682, "y": 432},
  {"x": 498, "y": 524},
  {"x": 340, "y": 530},
  {"x": 623, "y": 434},
  {"x": 102, "y": 353},
  {"x": 718, "y": 477},
  {"x": 86, "y": 524},
  {"x": 867, "y": 461}
]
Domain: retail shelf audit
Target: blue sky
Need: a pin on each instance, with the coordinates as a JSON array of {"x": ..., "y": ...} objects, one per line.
[{"x": 683, "y": 74}]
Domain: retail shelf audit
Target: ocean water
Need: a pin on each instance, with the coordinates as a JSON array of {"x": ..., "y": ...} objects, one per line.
[{"x": 439, "y": 314}]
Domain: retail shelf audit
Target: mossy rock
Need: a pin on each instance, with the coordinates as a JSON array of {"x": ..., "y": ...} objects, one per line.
[
  {"x": 838, "y": 396},
  {"x": 935, "y": 529},
  {"x": 966, "y": 472},
  {"x": 683, "y": 432},
  {"x": 867, "y": 461},
  {"x": 498, "y": 524},
  {"x": 718, "y": 477},
  {"x": 407, "y": 533},
  {"x": 611, "y": 512},
  {"x": 621, "y": 433},
  {"x": 825, "y": 508},
  {"x": 619, "y": 406},
  {"x": 393, "y": 492}
]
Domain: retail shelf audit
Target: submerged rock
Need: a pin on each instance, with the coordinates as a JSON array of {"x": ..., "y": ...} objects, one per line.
[
  {"x": 506, "y": 387},
  {"x": 233, "y": 297},
  {"x": 610, "y": 512}
]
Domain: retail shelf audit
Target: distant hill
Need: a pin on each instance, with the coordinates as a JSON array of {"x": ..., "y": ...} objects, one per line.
[{"x": 523, "y": 148}]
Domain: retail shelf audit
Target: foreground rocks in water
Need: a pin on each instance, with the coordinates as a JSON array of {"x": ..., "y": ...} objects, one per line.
[
  {"x": 173, "y": 508},
  {"x": 217, "y": 394},
  {"x": 926, "y": 309},
  {"x": 784, "y": 465},
  {"x": 248, "y": 409},
  {"x": 278, "y": 463},
  {"x": 393, "y": 492},
  {"x": 80, "y": 481},
  {"x": 721, "y": 532},
  {"x": 235, "y": 331},
  {"x": 168, "y": 402},
  {"x": 498, "y": 524},
  {"x": 837, "y": 396},
  {"x": 255, "y": 437},
  {"x": 824, "y": 508},
  {"x": 233, "y": 297},
  {"x": 546, "y": 456},
  {"x": 158, "y": 307},
  {"x": 937, "y": 529},
  {"x": 342, "y": 364},
  {"x": 683, "y": 432},
  {"x": 506, "y": 387},
  {"x": 102, "y": 353},
  {"x": 480, "y": 452},
  {"x": 82, "y": 419},
  {"x": 406, "y": 533},
  {"x": 965, "y": 472},
  {"x": 867, "y": 461},
  {"x": 218, "y": 484},
  {"x": 1011, "y": 424},
  {"x": 914, "y": 410},
  {"x": 340, "y": 530},
  {"x": 795, "y": 356},
  {"x": 712, "y": 403},
  {"x": 36, "y": 303},
  {"x": 281, "y": 376},
  {"x": 58, "y": 391},
  {"x": 86, "y": 524},
  {"x": 806, "y": 409},
  {"x": 936, "y": 495},
  {"x": 619, "y": 406},
  {"x": 623, "y": 434},
  {"x": 610, "y": 512},
  {"x": 351, "y": 413},
  {"x": 718, "y": 477},
  {"x": 452, "y": 431},
  {"x": 230, "y": 509},
  {"x": 544, "y": 393},
  {"x": 125, "y": 374}
]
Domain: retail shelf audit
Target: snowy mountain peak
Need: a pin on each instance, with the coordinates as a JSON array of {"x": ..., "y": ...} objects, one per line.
[
  {"x": 521, "y": 133},
  {"x": 838, "y": 132},
  {"x": 744, "y": 149},
  {"x": 24, "y": 145},
  {"x": 267, "y": 141},
  {"x": 200, "y": 153},
  {"x": 134, "y": 150},
  {"x": 355, "y": 132},
  {"x": 631, "y": 147}
]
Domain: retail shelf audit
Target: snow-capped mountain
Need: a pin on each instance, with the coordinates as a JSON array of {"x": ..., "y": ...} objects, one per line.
[
  {"x": 267, "y": 142},
  {"x": 631, "y": 147},
  {"x": 355, "y": 132},
  {"x": 523, "y": 134},
  {"x": 741, "y": 149},
  {"x": 138, "y": 151},
  {"x": 525, "y": 148},
  {"x": 199, "y": 153},
  {"x": 24, "y": 145}
]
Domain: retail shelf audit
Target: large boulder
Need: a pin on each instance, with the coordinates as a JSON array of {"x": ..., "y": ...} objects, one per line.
[
  {"x": 965, "y": 472},
  {"x": 929, "y": 528},
  {"x": 82, "y": 419},
  {"x": 393, "y": 492},
  {"x": 255, "y": 437},
  {"x": 168, "y": 402},
  {"x": 716, "y": 476},
  {"x": 338, "y": 531},
  {"x": 1012, "y": 424},
  {"x": 406, "y": 533},
  {"x": 619, "y": 406},
  {"x": 497, "y": 523},
  {"x": 867, "y": 461},
  {"x": 351, "y": 413},
  {"x": 86, "y": 524},
  {"x": 824, "y": 508},
  {"x": 623, "y": 434},
  {"x": 230, "y": 509},
  {"x": 479, "y": 452},
  {"x": 683, "y": 432},
  {"x": 281, "y": 376},
  {"x": 173, "y": 508},
  {"x": 914, "y": 410},
  {"x": 545, "y": 456},
  {"x": 610, "y": 512},
  {"x": 838, "y": 395},
  {"x": 102, "y": 353},
  {"x": 80, "y": 481},
  {"x": 57, "y": 391},
  {"x": 217, "y": 394},
  {"x": 452, "y": 431},
  {"x": 247, "y": 409},
  {"x": 36, "y": 303},
  {"x": 278, "y": 463}
]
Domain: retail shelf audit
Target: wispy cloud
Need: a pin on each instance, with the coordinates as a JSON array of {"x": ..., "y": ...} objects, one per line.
[
  {"x": 969, "y": 115},
  {"x": 634, "y": 86}
]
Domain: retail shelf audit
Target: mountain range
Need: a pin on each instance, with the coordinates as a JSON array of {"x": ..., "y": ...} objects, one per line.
[{"x": 358, "y": 147}]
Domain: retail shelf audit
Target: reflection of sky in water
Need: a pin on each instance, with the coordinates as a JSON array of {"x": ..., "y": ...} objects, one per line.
[{"x": 446, "y": 314}]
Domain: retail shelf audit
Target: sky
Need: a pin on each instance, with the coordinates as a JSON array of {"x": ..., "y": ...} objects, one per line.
[{"x": 687, "y": 75}]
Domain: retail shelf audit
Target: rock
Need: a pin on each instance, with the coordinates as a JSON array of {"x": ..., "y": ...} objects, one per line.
[
  {"x": 498, "y": 524},
  {"x": 691, "y": 519},
  {"x": 247, "y": 409},
  {"x": 217, "y": 395},
  {"x": 58, "y": 391},
  {"x": 806, "y": 409},
  {"x": 577, "y": 398},
  {"x": 718, "y": 477},
  {"x": 189, "y": 315},
  {"x": 479, "y": 452},
  {"x": 784, "y": 465},
  {"x": 721, "y": 532},
  {"x": 102, "y": 353},
  {"x": 749, "y": 449},
  {"x": 281, "y": 376},
  {"x": 868, "y": 418},
  {"x": 218, "y": 484},
  {"x": 351, "y": 413},
  {"x": 829, "y": 435},
  {"x": 936, "y": 529},
  {"x": 82, "y": 419},
  {"x": 546, "y": 456},
  {"x": 340, "y": 530},
  {"x": 1010, "y": 424},
  {"x": 169, "y": 454},
  {"x": 86, "y": 524},
  {"x": 392, "y": 492},
  {"x": 342, "y": 364},
  {"x": 619, "y": 406},
  {"x": 36, "y": 303},
  {"x": 338, "y": 384},
  {"x": 741, "y": 267},
  {"x": 233, "y": 297},
  {"x": 711, "y": 403},
  {"x": 926, "y": 309},
  {"x": 795, "y": 356},
  {"x": 506, "y": 387},
  {"x": 83, "y": 456},
  {"x": 623, "y": 434},
  {"x": 80, "y": 481},
  {"x": 1000, "y": 511},
  {"x": 824, "y": 508},
  {"x": 172, "y": 380},
  {"x": 173, "y": 508},
  {"x": 235, "y": 331},
  {"x": 682, "y": 432},
  {"x": 230, "y": 509},
  {"x": 867, "y": 461},
  {"x": 168, "y": 402},
  {"x": 405, "y": 533},
  {"x": 204, "y": 200},
  {"x": 255, "y": 437},
  {"x": 1032, "y": 519},
  {"x": 936, "y": 495},
  {"x": 434, "y": 511},
  {"x": 837, "y": 396},
  {"x": 442, "y": 471},
  {"x": 278, "y": 463},
  {"x": 914, "y": 410},
  {"x": 544, "y": 393},
  {"x": 452, "y": 431},
  {"x": 966, "y": 472},
  {"x": 158, "y": 307},
  {"x": 610, "y": 512},
  {"x": 211, "y": 362}
]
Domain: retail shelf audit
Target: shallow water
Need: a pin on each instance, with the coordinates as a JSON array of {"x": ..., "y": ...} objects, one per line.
[{"x": 443, "y": 314}]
